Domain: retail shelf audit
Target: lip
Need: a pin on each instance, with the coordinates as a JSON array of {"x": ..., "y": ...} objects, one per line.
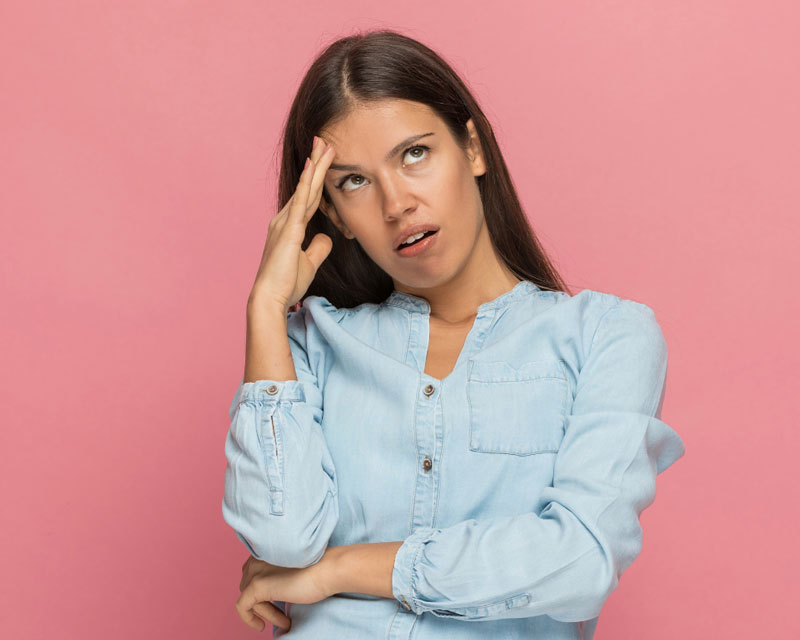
[
  {"x": 419, "y": 247},
  {"x": 413, "y": 230}
]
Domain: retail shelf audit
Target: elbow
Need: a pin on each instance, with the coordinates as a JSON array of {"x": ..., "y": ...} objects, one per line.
[
  {"x": 606, "y": 571},
  {"x": 298, "y": 547},
  {"x": 312, "y": 540},
  {"x": 283, "y": 541},
  {"x": 598, "y": 579},
  {"x": 282, "y": 548},
  {"x": 617, "y": 542},
  {"x": 592, "y": 601},
  {"x": 584, "y": 604},
  {"x": 285, "y": 554}
]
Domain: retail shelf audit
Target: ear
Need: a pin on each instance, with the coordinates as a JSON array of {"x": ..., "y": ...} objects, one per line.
[
  {"x": 330, "y": 212},
  {"x": 475, "y": 151}
]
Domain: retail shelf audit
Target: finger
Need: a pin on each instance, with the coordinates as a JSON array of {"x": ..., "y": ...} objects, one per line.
[
  {"x": 318, "y": 150},
  {"x": 249, "y": 618},
  {"x": 272, "y": 614},
  {"x": 318, "y": 180},
  {"x": 318, "y": 249},
  {"x": 279, "y": 219},
  {"x": 320, "y": 161},
  {"x": 300, "y": 198},
  {"x": 247, "y": 599},
  {"x": 317, "y": 153}
]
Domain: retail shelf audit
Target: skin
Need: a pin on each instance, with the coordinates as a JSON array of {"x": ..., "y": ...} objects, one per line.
[
  {"x": 462, "y": 270},
  {"x": 456, "y": 275}
]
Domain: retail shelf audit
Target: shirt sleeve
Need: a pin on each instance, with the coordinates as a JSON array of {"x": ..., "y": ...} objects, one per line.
[
  {"x": 565, "y": 558},
  {"x": 281, "y": 489}
]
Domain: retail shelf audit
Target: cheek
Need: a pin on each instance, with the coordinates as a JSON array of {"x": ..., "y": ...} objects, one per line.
[{"x": 453, "y": 182}]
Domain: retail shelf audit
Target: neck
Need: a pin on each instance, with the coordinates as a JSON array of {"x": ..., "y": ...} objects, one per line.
[{"x": 483, "y": 279}]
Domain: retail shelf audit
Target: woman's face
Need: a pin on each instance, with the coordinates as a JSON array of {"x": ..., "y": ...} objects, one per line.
[{"x": 396, "y": 164}]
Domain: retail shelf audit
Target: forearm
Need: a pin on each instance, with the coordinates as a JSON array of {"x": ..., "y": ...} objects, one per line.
[
  {"x": 361, "y": 568},
  {"x": 276, "y": 447},
  {"x": 267, "y": 352}
]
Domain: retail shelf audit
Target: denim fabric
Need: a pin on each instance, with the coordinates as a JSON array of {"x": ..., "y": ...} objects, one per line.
[{"x": 515, "y": 483}]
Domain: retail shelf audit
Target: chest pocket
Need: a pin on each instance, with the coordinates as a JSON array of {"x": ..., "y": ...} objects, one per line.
[{"x": 520, "y": 411}]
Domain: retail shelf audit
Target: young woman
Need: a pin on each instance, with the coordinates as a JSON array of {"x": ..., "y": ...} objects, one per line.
[{"x": 440, "y": 433}]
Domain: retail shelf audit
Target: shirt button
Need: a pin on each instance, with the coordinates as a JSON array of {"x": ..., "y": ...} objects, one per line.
[
  {"x": 271, "y": 389},
  {"x": 428, "y": 390},
  {"x": 427, "y": 464},
  {"x": 405, "y": 604}
]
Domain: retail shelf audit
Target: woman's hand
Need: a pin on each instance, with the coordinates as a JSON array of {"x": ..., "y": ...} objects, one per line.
[
  {"x": 262, "y": 582},
  {"x": 286, "y": 270}
]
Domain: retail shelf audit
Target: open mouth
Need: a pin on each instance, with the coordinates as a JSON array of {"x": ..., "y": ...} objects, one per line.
[
  {"x": 418, "y": 240},
  {"x": 419, "y": 246}
]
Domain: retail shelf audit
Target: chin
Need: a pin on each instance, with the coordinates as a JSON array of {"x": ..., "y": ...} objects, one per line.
[{"x": 430, "y": 281}]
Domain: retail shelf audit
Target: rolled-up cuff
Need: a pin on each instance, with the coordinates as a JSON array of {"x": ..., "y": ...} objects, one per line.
[
  {"x": 405, "y": 561},
  {"x": 271, "y": 391}
]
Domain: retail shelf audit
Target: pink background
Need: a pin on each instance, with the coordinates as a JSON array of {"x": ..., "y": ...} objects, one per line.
[{"x": 655, "y": 147}]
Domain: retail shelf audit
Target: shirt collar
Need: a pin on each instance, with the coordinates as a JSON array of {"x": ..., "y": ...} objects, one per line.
[{"x": 415, "y": 303}]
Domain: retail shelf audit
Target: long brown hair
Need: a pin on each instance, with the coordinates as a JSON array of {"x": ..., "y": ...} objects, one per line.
[{"x": 380, "y": 65}]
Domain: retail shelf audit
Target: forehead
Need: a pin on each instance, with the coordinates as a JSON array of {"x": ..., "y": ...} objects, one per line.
[{"x": 380, "y": 125}]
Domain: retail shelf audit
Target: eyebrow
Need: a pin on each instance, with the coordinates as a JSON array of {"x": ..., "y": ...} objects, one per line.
[{"x": 397, "y": 149}]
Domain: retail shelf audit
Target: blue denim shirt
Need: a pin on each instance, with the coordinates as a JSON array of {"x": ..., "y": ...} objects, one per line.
[{"x": 515, "y": 483}]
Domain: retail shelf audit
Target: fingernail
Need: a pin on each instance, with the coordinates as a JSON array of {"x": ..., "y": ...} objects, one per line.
[
  {"x": 305, "y": 166},
  {"x": 314, "y": 146}
]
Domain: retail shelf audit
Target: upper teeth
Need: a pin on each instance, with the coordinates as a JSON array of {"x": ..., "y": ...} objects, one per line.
[{"x": 414, "y": 238}]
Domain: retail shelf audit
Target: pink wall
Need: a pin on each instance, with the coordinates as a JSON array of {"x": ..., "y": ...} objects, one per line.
[{"x": 655, "y": 146}]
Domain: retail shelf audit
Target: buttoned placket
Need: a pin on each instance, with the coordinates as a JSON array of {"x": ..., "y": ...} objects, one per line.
[
  {"x": 428, "y": 429},
  {"x": 428, "y": 418}
]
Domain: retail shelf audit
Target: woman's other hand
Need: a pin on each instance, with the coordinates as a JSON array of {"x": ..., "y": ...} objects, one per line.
[{"x": 263, "y": 582}]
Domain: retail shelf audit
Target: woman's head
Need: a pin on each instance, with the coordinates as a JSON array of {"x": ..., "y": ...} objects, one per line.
[
  {"x": 398, "y": 171},
  {"x": 366, "y": 94}
]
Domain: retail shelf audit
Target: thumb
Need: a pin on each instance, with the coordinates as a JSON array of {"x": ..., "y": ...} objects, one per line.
[{"x": 318, "y": 249}]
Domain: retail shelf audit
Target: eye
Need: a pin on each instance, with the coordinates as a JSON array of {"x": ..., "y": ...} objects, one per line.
[
  {"x": 340, "y": 186},
  {"x": 355, "y": 176},
  {"x": 421, "y": 147}
]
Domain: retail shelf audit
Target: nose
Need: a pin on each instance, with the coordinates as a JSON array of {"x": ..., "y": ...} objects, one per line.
[{"x": 397, "y": 197}]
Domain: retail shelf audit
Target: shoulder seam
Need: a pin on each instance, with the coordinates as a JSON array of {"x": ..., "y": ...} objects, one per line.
[{"x": 600, "y": 322}]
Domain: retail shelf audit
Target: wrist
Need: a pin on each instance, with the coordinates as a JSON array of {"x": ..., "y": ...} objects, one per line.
[
  {"x": 329, "y": 571},
  {"x": 261, "y": 304},
  {"x": 359, "y": 568},
  {"x": 258, "y": 314}
]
